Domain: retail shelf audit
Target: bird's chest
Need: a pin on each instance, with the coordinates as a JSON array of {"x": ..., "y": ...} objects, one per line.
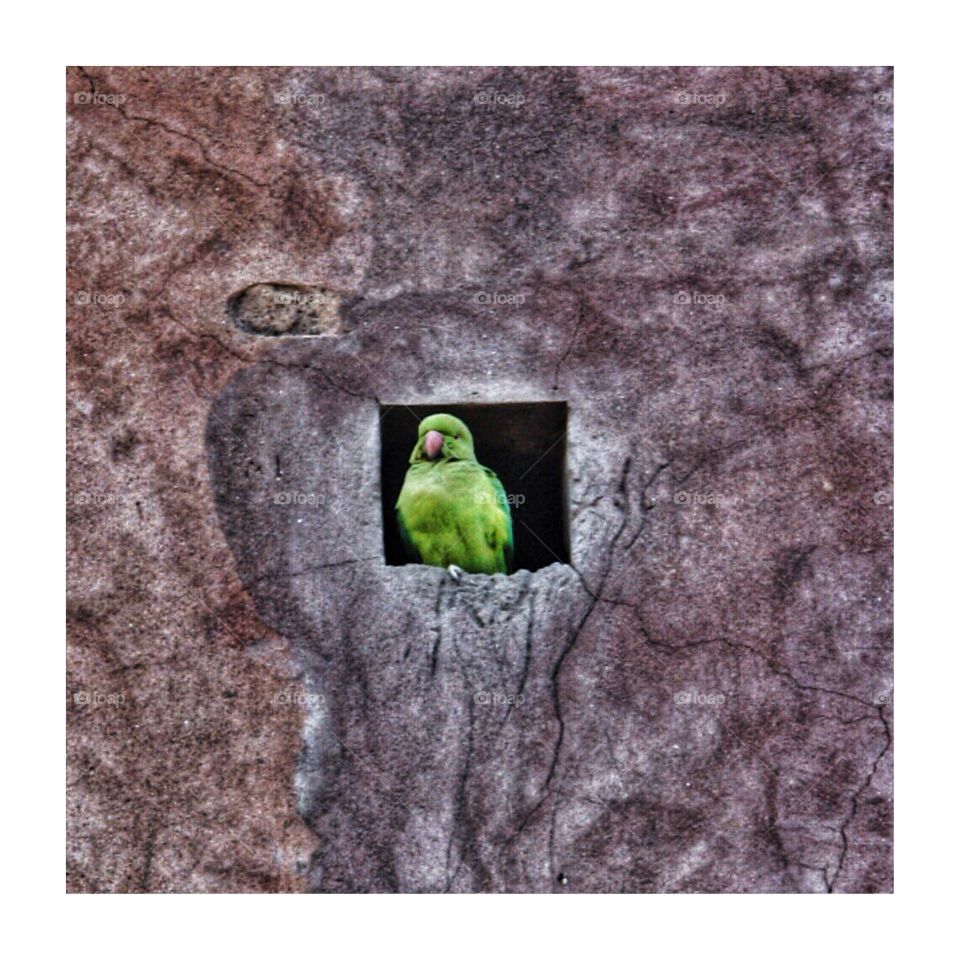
[{"x": 436, "y": 498}]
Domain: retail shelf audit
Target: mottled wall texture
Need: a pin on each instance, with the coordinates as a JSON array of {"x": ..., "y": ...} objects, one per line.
[{"x": 267, "y": 267}]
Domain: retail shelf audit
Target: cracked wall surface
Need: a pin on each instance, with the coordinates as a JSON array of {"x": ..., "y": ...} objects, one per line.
[{"x": 699, "y": 262}]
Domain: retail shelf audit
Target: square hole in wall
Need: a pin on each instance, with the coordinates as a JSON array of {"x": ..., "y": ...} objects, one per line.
[{"x": 523, "y": 443}]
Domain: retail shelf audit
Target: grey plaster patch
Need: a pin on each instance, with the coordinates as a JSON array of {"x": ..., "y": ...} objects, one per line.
[{"x": 667, "y": 712}]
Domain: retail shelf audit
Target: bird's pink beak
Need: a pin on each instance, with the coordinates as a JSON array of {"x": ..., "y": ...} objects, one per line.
[{"x": 432, "y": 443}]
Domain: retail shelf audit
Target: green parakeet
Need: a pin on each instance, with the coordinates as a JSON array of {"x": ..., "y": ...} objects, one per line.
[{"x": 452, "y": 511}]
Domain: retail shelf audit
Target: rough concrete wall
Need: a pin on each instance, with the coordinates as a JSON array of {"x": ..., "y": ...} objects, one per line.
[{"x": 699, "y": 262}]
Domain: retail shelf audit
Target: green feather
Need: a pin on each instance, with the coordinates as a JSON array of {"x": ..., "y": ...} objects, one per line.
[
  {"x": 408, "y": 544},
  {"x": 504, "y": 504},
  {"x": 453, "y": 510}
]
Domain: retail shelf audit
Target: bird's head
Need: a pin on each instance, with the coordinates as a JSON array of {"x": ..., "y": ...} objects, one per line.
[{"x": 443, "y": 437}]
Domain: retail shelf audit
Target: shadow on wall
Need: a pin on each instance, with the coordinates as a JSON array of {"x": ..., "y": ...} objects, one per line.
[{"x": 523, "y": 443}]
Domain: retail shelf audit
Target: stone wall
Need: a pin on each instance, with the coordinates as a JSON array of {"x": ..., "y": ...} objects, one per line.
[{"x": 698, "y": 262}]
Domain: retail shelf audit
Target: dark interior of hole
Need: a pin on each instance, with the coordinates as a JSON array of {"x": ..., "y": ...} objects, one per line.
[{"x": 523, "y": 443}]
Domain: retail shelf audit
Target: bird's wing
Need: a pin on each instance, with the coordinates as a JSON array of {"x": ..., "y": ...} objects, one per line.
[
  {"x": 504, "y": 535},
  {"x": 412, "y": 552}
]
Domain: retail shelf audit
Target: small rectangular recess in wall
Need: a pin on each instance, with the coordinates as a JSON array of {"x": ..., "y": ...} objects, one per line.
[{"x": 523, "y": 443}]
